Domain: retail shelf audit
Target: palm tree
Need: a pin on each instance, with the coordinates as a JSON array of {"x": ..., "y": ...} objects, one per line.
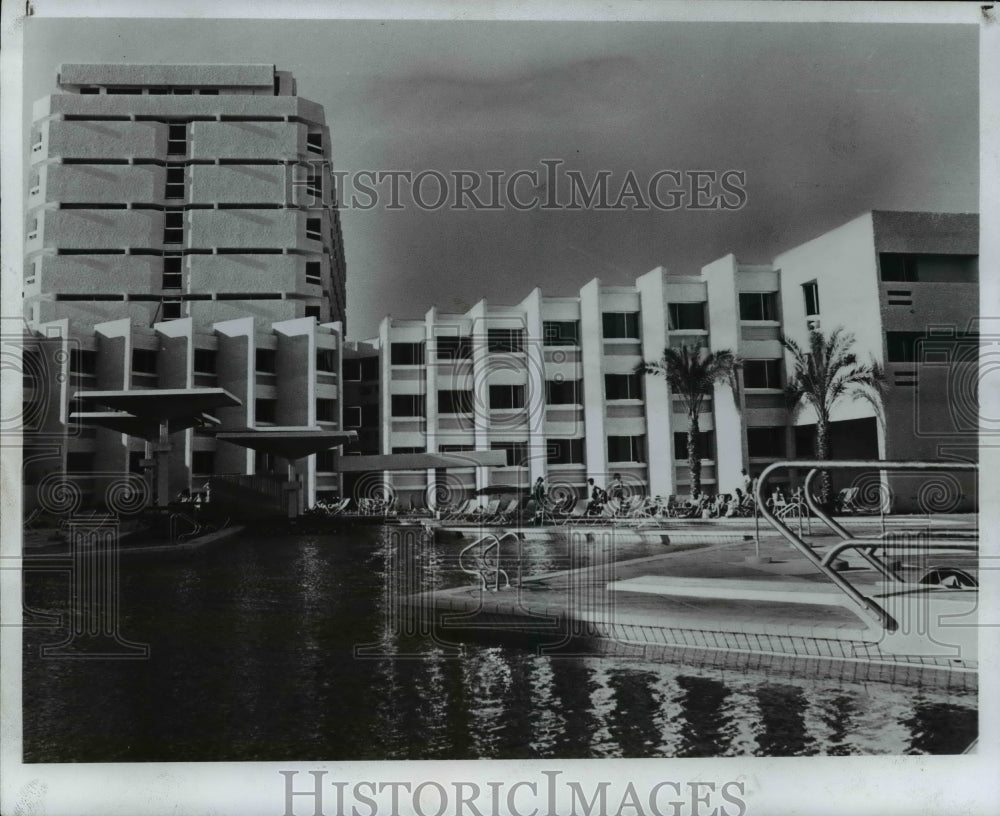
[
  {"x": 824, "y": 373},
  {"x": 692, "y": 372}
]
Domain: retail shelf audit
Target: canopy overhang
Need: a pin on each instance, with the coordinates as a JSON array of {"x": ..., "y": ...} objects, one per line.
[
  {"x": 160, "y": 404},
  {"x": 288, "y": 442},
  {"x": 421, "y": 461}
]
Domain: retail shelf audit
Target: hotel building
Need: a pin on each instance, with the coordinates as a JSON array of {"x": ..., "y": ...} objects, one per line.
[
  {"x": 181, "y": 232},
  {"x": 551, "y": 380}
]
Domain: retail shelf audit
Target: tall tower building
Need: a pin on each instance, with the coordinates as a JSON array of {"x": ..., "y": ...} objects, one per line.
[{"x": 182, "y": 231}]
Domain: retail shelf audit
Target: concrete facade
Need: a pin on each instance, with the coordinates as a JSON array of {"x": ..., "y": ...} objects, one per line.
[
  {"x": 183, "y": 232},
  {"x": 551, "y": 378}
]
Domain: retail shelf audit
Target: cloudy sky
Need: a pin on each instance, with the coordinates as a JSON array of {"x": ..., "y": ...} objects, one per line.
[{"x": 825, "y": 120}]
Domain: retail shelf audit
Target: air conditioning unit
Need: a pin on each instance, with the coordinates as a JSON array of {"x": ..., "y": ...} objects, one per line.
[{"x": 813, "y": 324}]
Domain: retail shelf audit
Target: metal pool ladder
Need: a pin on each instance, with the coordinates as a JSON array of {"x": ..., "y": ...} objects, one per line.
[
  {"x": 865, "y": 546},
  {"x": 482, "y": 568}
]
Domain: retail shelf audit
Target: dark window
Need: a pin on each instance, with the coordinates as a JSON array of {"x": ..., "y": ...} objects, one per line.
[
  {"x": 352, "y": 369},
  {"x": 266, "y": 361},
  {"x": 326, "y": 461},
  {"x": 144, "y": 361},
  {"x": 82, "y": 361},
  {"x": 455, "y": 402},
  {"x": 706, "y": 445},
  {"x": 177, "y": 139},
  {"x": 209, "y": 91},
  {"x": 505, "y": 340},
  {"x": 626, "y": 449},
  {"x": 805, "y": 441},
  {"x": 314, "y": 185},
  {"x": 762, "y": 374},
  {"x": 203, "y": 463},
  {"x": 408, "y": 405},
  {"x": 172, "y": 266},
  {"x": 171, "y": 309},
  {"x": 901, "y": 347},
  {"x": 314, "y": 142},
  {"x": 326, "y": 360},
  {"x": 623, "y": 325},
  {"x": 370, "y": 369},
  {"x": 561, "y": 332},
  {"x": 369, "y": 416},
  {"x": 183, "y": 91},
  {"x": 927, "y": 268},
  {"x": 456, "y": 448},
  {"x": 352, "y": 416},
  {"x": 758, "y": 306},
  {"x": 266, "y": 410},
  {"x": 506, "y": 396},
  {"x": 517, "y": 452},
  {"x": 263, "y": 462},
  {"x": 409, "y": 449},
  {"x": 622, "y": 386},
  {"x": 158, "y": 91},
  {"x": 80, "y": 462},
  {"x": 685, "y": 316},
  {"x": 565, "y": 452},
  {"x": 175, "y": 181},
  {"x": 454, "y": 348},
  {"x": 313, "y": 311},
  {"x": 122, "y": 91},
  {"x": 90, "y": 90},
  {"x": 326, "y": 410},
  {"x": 314, "y": 228},
  {"x": 135, "y": 461},
  {"x": 406, "y": 354},
  {"x": 563, "y": 392},
  {"x": 768, "y": 443},
  {"x": 810, "y": 292},
  {"x": 173, "y": 227},
  {"x": 205, "y": 361},
  {"x": 314, "y": 272}
]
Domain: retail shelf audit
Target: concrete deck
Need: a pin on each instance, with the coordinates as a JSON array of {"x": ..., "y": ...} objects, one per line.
[{"x": 717, "y": 604}]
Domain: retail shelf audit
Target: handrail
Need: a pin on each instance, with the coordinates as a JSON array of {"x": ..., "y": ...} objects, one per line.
[
  {"x": 868, "y": 605},
  {"x": 483, "y": 567}
]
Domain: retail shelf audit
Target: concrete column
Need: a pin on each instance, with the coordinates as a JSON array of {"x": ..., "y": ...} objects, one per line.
[
  {"x": 592, "y": 369},
  {"x": 480, "y": 389},
  {"x": 535, "y": 391},
  {"x": 431, "y": 400},
  {"x": 659, "y": 416}
]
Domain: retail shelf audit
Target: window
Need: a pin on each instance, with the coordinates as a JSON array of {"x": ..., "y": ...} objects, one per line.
[
  {"x": 175, "y": 181},
  {"x": 927, "y": 268},
  {"x": 409, "y": 449},
  {"x": 455, "y": 448},
  {"x": 810, "y": 292},
  {"x": 517, "y": 452},
  {"x": 563, "y": 392},
  {"x": 80, "y": 462},
  {"x": 506, "y": 396},
  {"x": 205, "y": 361},
  {"x": 313, "y": 228},
  {"x": 370, "y": 369},
  {"x": 565, "y": 452},
  {"x": 369, "y": 416},
  {"x": 143, "y": 361},
  {"x": 172, "y": 278},
  {"x": 326, "y": 461},
  {"x": 171, "y": 309},
  {"x": 626, "y": 449},
  {"x": 352, "y": 416},
  {"x": 706, "y": 445},
  {"x": 758, "y": 306},
  {"x": 314, "y": 272},
  {"x": 762, "y": 374},
  {"x": 90, "y": 90},
  {"x": 621, "y": 325},
  {"x": 265, "y": 410},
  {"x": 455, "y": 402},
  {"x": 131, "y": 91},
  {"x": 314, "y": 185},
  {"x": 263, "y": 462},
  {"x": 408, "y": 405},
  {"x": 326, "y": 360},
  {"x": 766, "y": 443},
  {"x": 406, "y": 354},
  {"x": 561, "y": 332},
  {"x": 81, "y": 361},
  {"x": 502, "y": 341},
  {"x": 454, "y": 348},
  {"x": 326, "y": 410},
  {"x": 352, "y": 369},
  {"x": 312, "y": 311},
  {"x": 203, "y": 463},
  {"x": 681, "y": 316},
  {"x": 266, "y": 361},
  {"x": 173, "y": 227},
  {"x": 622, "y": 386},
  {"x": 901, "y": 347},
  {"x": 177, "y": 139},
  {"x": 209, "y": 92},
  {"x": 314, "y": 142}
]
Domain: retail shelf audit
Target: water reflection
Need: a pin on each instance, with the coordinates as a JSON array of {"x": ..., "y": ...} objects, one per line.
[{"x": 296, "y": 649}]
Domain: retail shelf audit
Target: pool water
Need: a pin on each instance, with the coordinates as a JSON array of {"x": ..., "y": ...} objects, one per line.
[{"x": 291, "y": 648}]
